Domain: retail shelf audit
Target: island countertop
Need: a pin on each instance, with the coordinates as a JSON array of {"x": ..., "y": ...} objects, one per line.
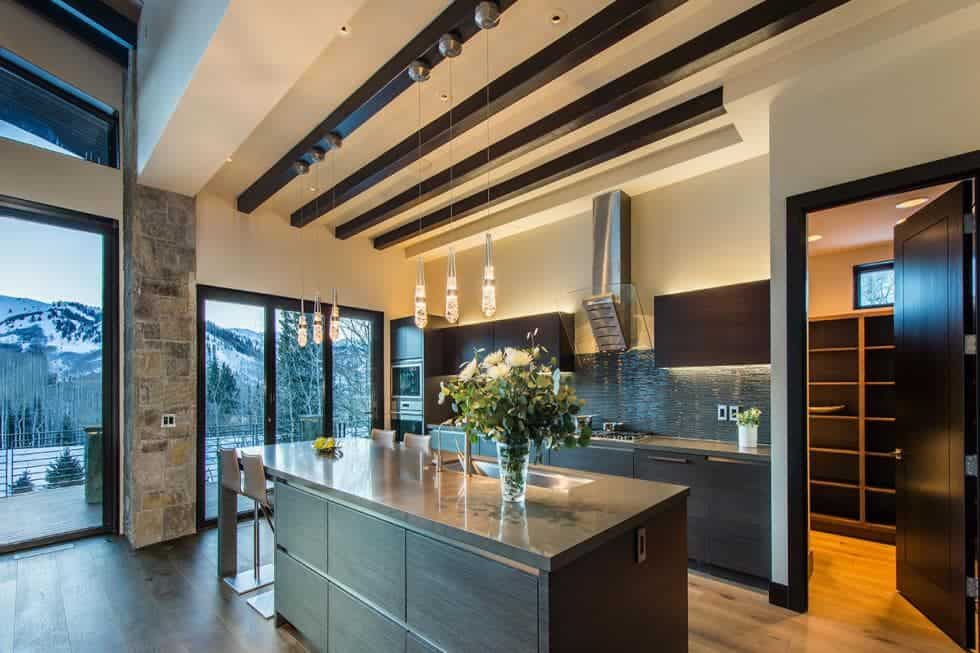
[{"x": 550, "y": 530}]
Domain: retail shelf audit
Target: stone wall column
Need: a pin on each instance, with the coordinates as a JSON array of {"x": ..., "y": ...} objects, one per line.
[{"x": 160, "y": 309}]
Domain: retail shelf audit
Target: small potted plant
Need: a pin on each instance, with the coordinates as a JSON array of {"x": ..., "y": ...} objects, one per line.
[
  {"x": 748, "y": 428},
  {"x": 514, "y": 400}
]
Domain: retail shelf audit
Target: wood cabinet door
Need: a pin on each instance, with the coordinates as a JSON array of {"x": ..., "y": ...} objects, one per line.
[
  {"x": 406, "y": 340},
  {"x": 302, "y": 599},
  {"x": 595, "y": 458},
  {"x": 302, "y": 525}
]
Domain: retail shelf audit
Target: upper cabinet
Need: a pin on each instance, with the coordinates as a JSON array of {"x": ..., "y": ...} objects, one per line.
[
  {"x": 555, "y": 333},
  {"x": 406, "y": 340},
  {"x": 717, "y": 326}
]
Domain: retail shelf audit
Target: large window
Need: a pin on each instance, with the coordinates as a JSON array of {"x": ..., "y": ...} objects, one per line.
[
  {"x": 38, "y": 109},
  {"x": 874, "y": 285},
  {"x": 258, "y": 386}
]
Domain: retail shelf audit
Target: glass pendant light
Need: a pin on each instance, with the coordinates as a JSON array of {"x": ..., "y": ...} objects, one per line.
[
  {"x": 302, "y": 333},
  {"x": 317, "y": 321},
  {"x": 489, "y": 304},
  {"x": 334, "y": 318},
  {"x": 452, "y": 289},
  {"x": 421, "y": 310}
]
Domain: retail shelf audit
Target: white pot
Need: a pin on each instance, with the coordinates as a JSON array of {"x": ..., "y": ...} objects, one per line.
[{"x": 748, "y": 436}]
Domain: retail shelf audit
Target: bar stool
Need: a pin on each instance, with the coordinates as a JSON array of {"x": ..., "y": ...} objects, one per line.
[
  {"x": 260, "y": 575},
  {"x": 386, "y": 438},
  {"x": 420, "y": 442},
  {"x": 256, "y": 487}
]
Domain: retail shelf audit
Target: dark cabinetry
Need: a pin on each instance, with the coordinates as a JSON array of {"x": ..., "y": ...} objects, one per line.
[
  {"x": 728, "y": 508},
  {"x": 556, "y": 333},
  {"x": 595, "y": 458},
  {"x": 406, "y": 340}
]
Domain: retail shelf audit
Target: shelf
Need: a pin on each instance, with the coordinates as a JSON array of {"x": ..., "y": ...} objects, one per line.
[
  {"x": 879, "y": 383},
  {"x": 853, "y": 486},
  {"x": 833, "y": 382},
  {"x": 880, "y": 419},
  {"x": 849, "y": 452},
  {"x": 878, "y": 347},
  {"x": 882, "y": 490},
  {"x": 821, "y": 350},
  {"x": 816, "y": 416},
  {"x": 852, "y": 522},
  {"x": 880, "y": 454}
]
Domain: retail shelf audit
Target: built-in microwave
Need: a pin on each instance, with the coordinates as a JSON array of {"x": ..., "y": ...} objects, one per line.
[{"x": 406, "y": 381}]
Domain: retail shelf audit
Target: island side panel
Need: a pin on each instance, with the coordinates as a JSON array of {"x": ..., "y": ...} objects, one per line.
[
  {"x": 227, "y": 526},
  {"x": 607, "y": 601}
]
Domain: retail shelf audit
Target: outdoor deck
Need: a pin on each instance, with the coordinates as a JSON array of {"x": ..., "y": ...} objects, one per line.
[{"x": 42, "y": 513}]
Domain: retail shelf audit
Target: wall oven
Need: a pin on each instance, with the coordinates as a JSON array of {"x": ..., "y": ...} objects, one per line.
[{"x": 407, "y": 381}]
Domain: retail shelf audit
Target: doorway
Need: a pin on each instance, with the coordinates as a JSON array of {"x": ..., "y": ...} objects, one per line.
[
  {"x": 257, "y": 385},
  {"x": 58, "y": 374},
  {"x": 882, "y": 396}
]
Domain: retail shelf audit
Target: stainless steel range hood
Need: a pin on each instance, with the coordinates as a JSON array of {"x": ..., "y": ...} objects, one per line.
[{"x": 609, "y": 308}]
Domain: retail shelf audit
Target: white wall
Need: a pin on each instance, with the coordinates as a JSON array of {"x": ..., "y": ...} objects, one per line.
[
  {"x": 707, "y": 231},
  {"x": 40, "y": 175},
  {"x": 830, "y": 277},
  {"x": 832, "y": 128}
]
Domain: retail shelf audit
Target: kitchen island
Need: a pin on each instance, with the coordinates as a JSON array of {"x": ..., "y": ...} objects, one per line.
[{"x": 379, "y": 551}]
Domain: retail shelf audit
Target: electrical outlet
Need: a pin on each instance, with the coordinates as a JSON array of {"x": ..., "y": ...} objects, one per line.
[
  {"x": 733, "y": 413},
  {"x": 722, "y": 413},
  {"x": 168, "y": 421}
]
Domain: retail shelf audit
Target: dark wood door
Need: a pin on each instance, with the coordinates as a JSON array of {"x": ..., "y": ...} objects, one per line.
[{"x": 934, "y": 549}]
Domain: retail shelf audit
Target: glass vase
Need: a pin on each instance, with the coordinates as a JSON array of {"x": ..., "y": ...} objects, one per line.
[{"x": 513, "y": 461}]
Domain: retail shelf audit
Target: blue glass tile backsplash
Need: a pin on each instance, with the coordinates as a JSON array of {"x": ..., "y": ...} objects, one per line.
[{"x": 629, "y": 387}]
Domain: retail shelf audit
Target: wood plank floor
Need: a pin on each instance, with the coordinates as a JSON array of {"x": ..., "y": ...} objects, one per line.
[
  {"x": 100, "y": 596},
  {"x": 41, "y": 513}
]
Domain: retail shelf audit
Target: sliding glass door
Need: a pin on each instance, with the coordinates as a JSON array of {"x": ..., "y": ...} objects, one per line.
[
  {"x": 57, "y": 374},
  {"x": 258, "y": 386}
]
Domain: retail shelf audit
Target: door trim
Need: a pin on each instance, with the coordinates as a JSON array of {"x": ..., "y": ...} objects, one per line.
[
  {"x": 947, "y": 170},
  {"x": 109, "y": 229}
]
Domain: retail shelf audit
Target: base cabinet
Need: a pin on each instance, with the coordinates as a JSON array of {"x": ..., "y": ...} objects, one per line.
[
  {"x": 595, "y": 458},
  {"x": 302, "y": 599},
  {"x": 356, "y": 628},
  {"x": 728, "y": 508}
]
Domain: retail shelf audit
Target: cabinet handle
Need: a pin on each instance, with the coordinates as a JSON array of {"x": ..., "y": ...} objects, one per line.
[
  {"x": 732, "y": 461},
  {"x": 669, "y": 459}
]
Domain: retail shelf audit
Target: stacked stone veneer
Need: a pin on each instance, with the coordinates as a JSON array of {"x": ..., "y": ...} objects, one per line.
[{"x": 160, "y": 309}]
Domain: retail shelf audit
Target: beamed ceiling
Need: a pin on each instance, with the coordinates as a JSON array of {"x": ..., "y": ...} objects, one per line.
[{"x": 610, "y": 94}]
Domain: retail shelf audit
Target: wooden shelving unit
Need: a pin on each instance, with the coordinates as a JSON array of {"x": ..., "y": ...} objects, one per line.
[{"x": 852, "y": 467}]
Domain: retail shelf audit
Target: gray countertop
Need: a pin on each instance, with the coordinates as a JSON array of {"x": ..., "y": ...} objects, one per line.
[
  {"x": 694, "y": 446},
  {"x": 701, "y": 447},
  {"x": 552, "y": 528}
]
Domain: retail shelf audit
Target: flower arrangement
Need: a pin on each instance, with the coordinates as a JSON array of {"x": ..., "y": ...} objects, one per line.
[
  {"x": 749, "y": 417},
  {"x": 510, "y": 397}
]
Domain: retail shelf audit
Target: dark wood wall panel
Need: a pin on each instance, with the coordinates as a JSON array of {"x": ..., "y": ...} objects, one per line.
[{"x": 718, "y": 326}]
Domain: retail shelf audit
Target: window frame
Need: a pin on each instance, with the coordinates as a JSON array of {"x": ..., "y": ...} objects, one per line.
[
  {"x": 30, "y": 73},
  {"x": 864, "y": 268}
]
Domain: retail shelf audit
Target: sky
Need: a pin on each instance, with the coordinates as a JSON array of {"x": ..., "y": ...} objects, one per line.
[
  {"x": 235, "y": 316},
  {"x": 46, "y": 263}
]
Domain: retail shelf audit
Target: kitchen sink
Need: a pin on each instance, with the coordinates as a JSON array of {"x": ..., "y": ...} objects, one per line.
[{"x": 547, "y": 480}]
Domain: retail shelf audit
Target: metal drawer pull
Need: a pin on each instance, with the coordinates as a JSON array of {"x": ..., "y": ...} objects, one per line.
[
  {"x": 669, "y": 459},
  {"x": 731, "y": 461}
]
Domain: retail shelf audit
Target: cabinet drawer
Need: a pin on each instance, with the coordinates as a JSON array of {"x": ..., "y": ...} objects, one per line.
[
  {"x": 594, "y": 458},
  {"x": 302, "y": 599},
  {"x": 302, "y": 525},
  {"x": 356, "y": 628},
  {"x": 680, "y": 469},
  {"x": 368, "y": 555},
  {"x": 739, "y": 493},
  {"x": 415, "y": 645},
  {"x": 462, "y": 601}
]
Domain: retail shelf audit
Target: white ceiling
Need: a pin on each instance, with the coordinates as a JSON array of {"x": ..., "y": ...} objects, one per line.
[
  {"x": 863, "y": 223},
  {"x": 273, "y": 71}
]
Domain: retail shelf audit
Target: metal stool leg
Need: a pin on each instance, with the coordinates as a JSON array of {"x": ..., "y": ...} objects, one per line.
[
  {"x": 264, "y": 603},
  {"x": 260, "y": 575}
]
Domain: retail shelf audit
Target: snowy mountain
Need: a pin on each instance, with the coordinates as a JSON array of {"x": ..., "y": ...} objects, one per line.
[
  {"x": 239, "y": 349},
  {"x": 68, "y": 333}
]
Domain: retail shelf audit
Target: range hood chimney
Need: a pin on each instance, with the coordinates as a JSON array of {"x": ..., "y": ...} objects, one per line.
[{"x": 608, "y": 309}]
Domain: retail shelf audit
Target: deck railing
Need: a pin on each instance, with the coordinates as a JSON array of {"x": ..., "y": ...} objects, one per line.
[{"x": 26, "y": 458}]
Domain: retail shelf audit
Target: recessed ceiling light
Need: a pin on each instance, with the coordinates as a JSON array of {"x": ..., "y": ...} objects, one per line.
[
  {"x": 558, "y": 16},
  {"x": 312, "y": 189},
  {"x": 228, "y": 160},
  {"x": 814, "y": 238},
  {"x": 444, "y": 97},
  {"x": 900, "y": 221},
  {"x": 912, "y": 203},
  {"x": 345, "y": 30}
]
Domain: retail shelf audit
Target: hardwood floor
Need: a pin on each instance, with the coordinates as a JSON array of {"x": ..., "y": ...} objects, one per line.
[{"x": 99, "y": 596}]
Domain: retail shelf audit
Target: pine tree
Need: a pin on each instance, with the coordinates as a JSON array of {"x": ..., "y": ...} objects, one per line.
[
  {"x": 22, "y": 484},
  {"x": 65, "y": 470}
]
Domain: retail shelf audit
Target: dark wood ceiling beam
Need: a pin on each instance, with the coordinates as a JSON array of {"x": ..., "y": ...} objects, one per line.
[
  {"x": 390, "y": 81},
  {"x": 650, "y": 130},
  {"x": 603, "y": 30},
  {"x": 735, "y": 35}
]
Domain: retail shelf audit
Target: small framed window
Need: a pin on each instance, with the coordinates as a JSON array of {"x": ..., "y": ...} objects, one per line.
[
  {"x": 38, "y": 109},
  {"x": 874, "y": 285}
]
